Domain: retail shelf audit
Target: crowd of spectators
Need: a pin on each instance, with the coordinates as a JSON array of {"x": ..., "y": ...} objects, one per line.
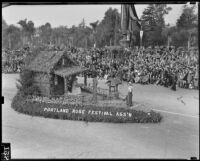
[
  {"x": 159, "y": 65},
  {"x": 13, "y": 60}
]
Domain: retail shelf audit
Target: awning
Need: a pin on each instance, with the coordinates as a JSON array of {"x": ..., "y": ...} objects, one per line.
[{"x": 67, "y": 71}]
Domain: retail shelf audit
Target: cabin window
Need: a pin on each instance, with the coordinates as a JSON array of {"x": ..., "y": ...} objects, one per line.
[{"x": 56, "y": 80}]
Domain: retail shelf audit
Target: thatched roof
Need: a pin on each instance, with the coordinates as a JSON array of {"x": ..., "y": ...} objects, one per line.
[
  {"x": 67, "y": 71},
  {"x": 45, "y": 61}
]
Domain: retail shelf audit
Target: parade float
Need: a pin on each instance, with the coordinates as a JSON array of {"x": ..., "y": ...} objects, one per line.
[{"x": 48, "y": 87}]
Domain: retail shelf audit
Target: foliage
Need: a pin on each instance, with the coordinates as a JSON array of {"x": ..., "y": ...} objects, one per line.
[
  {"x": 188, "y": 18},
  {"x": 167, "y": 34},
  {"x": 11, "y": 37},
  {"x": 107, "y": 32},
  {"x": 28, "y": 30},
  {"x": 179, "y": 38},
  {"x": 153, "y": 23},
  {"x": 4, "y": 36},
  {"x": 25, "y": 83},
  {"x": 81, "y": 36},
  {"x": 157, "y": 33},
  {"x": 45, "y": 32},
  {"x": 108, "y": 29},
  {"x": 4, "y": 24},
  {"x": 24, "y": 105},
  {"x": 187, "y": 27}
]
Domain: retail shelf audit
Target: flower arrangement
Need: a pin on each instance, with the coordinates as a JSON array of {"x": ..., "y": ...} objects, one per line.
[{"x": 83, "y": 112}]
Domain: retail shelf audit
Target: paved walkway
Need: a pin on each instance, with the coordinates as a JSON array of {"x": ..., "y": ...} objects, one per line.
[{"x": 177, "y": 136}]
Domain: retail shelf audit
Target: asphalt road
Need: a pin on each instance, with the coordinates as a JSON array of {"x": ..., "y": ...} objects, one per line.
[{"x": 177, "y": 136}]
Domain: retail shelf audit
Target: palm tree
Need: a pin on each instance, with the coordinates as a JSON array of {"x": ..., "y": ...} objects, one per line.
[
  {"x": 28, "y": 30},
  {"x": 13, "y": 33}
]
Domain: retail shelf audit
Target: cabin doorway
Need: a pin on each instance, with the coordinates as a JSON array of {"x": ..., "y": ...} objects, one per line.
[{"x": 58, "y": 85}]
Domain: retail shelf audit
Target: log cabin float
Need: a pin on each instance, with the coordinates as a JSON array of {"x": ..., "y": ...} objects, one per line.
[{"x": 54, "y": 72}]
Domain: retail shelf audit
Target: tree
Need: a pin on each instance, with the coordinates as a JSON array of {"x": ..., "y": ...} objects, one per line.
[
  {"x": 188, "y": 18},
  {"x": 188, "y": 24},
  {"x": 28, "y": 30},
  {"x": 108, "y": 29},
  {"x": 25, "y": 84},
  {"x": 4, "y": 24},
  {"x": 80, "y": 36},
  {"x": 45, "y": 32},
  {"x": 153, "y": 23},
  {"x": 13, "y": 35},
  {"x": 60, "y": 36},
  {"x": 193, "y": 39},
  {"x": 4, "y": 35},
  {"x": 167, "y": 33},
  {"x": 82, "y": 24}
]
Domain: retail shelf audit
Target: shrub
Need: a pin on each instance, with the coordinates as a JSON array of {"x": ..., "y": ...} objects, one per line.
[
  {"x": 25, "y": 84},
  {"x": 36, "y": 108}
]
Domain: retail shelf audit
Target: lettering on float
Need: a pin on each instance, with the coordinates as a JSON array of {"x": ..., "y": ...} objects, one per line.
[{"x": 89, "y": 112}]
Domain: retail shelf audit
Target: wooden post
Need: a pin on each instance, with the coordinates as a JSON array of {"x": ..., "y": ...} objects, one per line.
[
  {"x": 65, "y": 86},
  {"x": 85, "y": 79},
  {"x": 117, "y": 93},
  {"x": 95, "y": 90},
  {"x": 109, "y": 88},
  {"x": 51, "y": 84}
]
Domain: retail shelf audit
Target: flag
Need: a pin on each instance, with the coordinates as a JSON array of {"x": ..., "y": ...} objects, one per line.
[
  {"x": 124, "y": 18},
  {"x": 134, "y": 24},
  {"x": 129, "y": 19}
]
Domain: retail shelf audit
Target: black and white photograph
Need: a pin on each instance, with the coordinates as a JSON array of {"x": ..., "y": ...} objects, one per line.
[{"x": 100, "y": 80}]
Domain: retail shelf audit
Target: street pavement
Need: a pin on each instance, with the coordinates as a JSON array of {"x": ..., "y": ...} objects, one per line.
[{"x": 177, "y": 136}]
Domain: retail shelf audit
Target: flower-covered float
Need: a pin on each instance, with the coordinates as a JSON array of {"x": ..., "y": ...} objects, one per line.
[{"x": 48, "y": 87}]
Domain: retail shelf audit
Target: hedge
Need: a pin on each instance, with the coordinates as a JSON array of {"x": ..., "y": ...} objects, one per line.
[{"x": 89, "y": 112}]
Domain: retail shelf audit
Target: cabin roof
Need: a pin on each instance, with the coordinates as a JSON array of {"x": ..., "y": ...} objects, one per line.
[
  {"x": 67, "y": 71},
  {"x": 45, "y": 61}
]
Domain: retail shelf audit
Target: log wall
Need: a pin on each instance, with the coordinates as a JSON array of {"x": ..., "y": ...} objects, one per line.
[{"x": 42, "y": 81}]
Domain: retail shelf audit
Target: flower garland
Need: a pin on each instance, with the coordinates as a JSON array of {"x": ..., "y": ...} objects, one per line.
[{"x": 83, "y": 112}]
